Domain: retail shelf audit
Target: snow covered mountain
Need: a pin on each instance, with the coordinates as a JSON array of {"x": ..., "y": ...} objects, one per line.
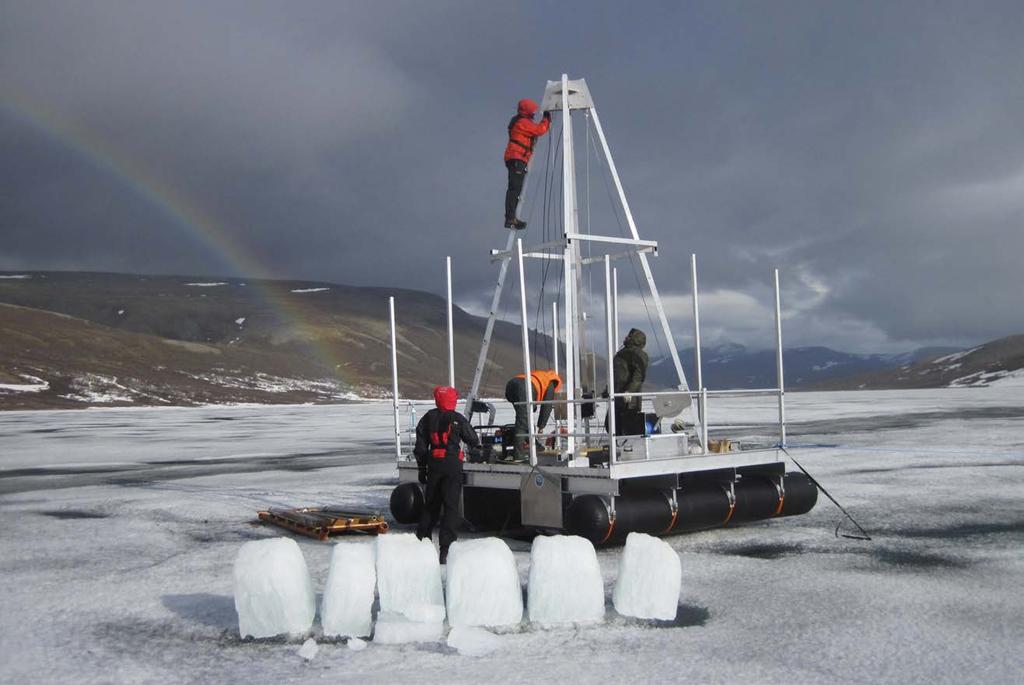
[
  {"x": 999, "y": 362},
  {"x": 734, "y": 366}
]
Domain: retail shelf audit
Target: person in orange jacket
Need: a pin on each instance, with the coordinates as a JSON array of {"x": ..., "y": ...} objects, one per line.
[
  {"x": 523, "y": 132},
  {"x": 545, "y": 383}
]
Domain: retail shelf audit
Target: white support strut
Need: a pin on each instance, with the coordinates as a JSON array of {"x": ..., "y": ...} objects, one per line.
[
  {"x": 572, "y": 342},
  {"x": 615, "y": 305},
  {"x": 394, "y": 379},
  {"x": 778, "y": 361},
  {"x": 696, "y": 323},
  {"x": 528, "y": 373},
  {"x": 554, "y": 332},
  {"x": 481, "y": 362},
  {"x": 451, "y": 330},
  {"x": 609, "y": 331},
  {"x": 670, "y": 341}
]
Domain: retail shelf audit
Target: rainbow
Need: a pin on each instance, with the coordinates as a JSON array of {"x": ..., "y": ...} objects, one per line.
[{"x": 194, "y": 221}]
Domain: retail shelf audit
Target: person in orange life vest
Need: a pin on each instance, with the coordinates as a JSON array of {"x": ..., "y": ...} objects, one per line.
[
  {"x": 522, "y": 134},
  {"x": 545, "y": 383},
  {"x": 439, "y": 456}
]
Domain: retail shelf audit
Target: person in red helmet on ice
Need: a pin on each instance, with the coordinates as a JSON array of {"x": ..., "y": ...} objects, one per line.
[
  {"x": 438, "y": 451},
  {"x": 523, "y": 131}
]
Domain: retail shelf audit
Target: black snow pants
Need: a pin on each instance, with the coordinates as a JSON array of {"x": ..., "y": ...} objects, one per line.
[
  {"x": 444, "y": 488},
  {"x": 515, "y": 391},
  {"x": 516, "y": 178},
  {"x": 628, "y": 419}
]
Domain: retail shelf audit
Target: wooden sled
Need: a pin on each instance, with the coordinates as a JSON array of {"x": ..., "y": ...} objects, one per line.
[{"x": 323, "y": 522}]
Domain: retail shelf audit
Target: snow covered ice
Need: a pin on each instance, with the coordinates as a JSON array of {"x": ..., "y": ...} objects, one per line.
[
  {"x": 565, "y": 581},
  {"x": 648, "y": 583},
  {"x": 409, "y": 578},
  {"x": 273, "y": 590},
  {"x": 470, "y": 641},
  {"x": 144, "y": 517},
  {"x": 347, "y": 605},
  {"x": 483, "y": 584}
]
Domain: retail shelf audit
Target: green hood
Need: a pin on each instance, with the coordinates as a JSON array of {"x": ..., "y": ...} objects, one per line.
[{"x": 635, "y": 338}]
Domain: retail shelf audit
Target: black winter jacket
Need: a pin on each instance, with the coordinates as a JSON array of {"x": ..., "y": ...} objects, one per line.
[{"x": 438, "y": 421}]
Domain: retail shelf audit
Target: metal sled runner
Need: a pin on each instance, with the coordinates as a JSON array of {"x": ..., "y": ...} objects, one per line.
[{"x": 599, "y": 480}]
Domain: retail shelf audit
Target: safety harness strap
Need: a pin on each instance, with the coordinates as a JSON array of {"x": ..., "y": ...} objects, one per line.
[{"x": 439, "y": 442}]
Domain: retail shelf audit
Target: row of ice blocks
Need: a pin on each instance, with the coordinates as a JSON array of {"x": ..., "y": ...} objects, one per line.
[{"x": 274, "y": 593}]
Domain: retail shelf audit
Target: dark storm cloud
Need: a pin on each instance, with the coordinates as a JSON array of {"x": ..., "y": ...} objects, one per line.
[{"x": 872, "y": 151}]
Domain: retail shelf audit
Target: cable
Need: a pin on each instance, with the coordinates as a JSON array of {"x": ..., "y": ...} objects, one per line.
[
  {"x": 864, "y": 534},
  {"x": 540, "y": 317}
]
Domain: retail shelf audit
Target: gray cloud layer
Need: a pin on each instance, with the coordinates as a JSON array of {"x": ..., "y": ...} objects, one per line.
[{"x": 872, "y": 151}]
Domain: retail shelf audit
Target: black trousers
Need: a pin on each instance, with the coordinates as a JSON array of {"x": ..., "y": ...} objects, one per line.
[
  {"x": 515, "y": 391},
  {"x": 444, "y": 487},
  {"x": 516, "y": 178},
  {"x": 628, "y": 419}
]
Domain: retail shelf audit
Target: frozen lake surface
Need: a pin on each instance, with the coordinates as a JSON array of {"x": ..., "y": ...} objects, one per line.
[{"x": 121, "y": 527}]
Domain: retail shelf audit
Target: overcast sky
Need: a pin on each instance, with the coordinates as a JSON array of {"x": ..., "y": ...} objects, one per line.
[{"x": 874, "y": 152}]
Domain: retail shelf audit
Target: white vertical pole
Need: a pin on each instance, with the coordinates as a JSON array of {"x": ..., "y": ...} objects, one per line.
[
  {"x": 554, "y": 325},
  {"x": 575, "y": 356},
  {"x": 394, "y": 379},
  {"x": 615, "y": 305},
  {"x": 526, "y": 350},
  {"x": 451, "y": 329},
  {"x": 571, "y": 342},
  {"x": 610, "y": 333},
  {"x": 696, "y": 324},
  {"x": 643, "y": 257},
  {"x": 778, "y": 361},
  {"x": 703, "y": 422}
]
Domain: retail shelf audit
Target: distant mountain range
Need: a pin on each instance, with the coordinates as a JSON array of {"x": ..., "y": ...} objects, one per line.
[
  {"x": 72, "y": 339},
  {"x": 997, "y": 362},
  {"x": 734, "y": 366}
]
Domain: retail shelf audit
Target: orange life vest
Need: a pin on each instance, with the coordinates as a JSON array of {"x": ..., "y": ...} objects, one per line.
[{"x": 540, "y": 380}]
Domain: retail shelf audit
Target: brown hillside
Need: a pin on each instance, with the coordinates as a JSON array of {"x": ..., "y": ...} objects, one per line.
[{"x": 167, "y": 342}]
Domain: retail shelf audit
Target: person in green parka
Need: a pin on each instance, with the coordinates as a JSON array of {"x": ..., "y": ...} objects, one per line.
[{"x": 629, "y": 368}]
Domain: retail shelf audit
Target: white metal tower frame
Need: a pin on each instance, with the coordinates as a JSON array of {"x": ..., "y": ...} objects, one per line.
[{"x": 567, "y": 95}]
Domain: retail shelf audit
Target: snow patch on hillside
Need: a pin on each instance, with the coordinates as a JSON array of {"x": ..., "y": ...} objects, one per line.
[
  {"x": 15, "y": 276},
  {"x": 98, "y": 389},
  {"x": 309, "y": 290},
  {"x": 36, "y": 385},
  {"x": 1003, "y": 379},
  {"x": 956, "y": 355},
  {"x": 265, "y": 382},
  {"x": 206, "y": 285}
]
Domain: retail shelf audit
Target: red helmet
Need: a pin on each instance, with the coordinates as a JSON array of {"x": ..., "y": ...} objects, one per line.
[
  {"x": 528, "y": 107},
  {"x": 445, "y": 397}
]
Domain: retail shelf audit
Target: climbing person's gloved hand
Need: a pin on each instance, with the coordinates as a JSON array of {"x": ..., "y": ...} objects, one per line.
[{"x": 547, "y": 114}]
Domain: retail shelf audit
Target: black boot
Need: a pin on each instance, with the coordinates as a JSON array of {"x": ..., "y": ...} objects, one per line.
[{"x": 517, "y": 224}]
